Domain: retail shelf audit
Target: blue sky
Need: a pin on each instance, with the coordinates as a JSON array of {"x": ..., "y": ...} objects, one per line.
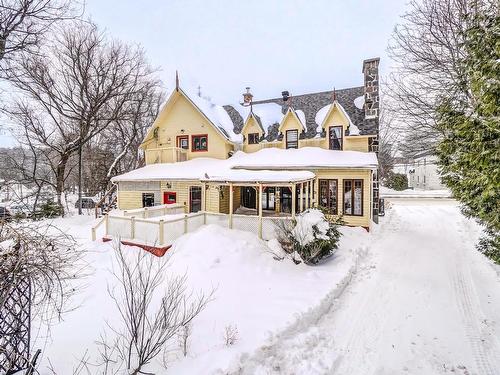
[{"x": 271, "y": 46}]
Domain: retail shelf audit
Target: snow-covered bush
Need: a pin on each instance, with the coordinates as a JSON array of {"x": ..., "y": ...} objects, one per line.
[
  {"x": 311, "y": 236},
  {"x": 397, "y": 181}
]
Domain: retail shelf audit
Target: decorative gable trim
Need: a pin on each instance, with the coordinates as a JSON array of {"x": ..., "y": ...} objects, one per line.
[
  {"x": 291, "y": 112},
  {"x": 353, "y": 129},
  {"x": 257, "y": 120}
]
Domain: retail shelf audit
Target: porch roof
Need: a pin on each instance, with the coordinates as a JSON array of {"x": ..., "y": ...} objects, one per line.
[{"x": 258, "y": 176}]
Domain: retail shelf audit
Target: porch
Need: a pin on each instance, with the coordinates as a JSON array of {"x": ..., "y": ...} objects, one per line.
[{"x": 278, "y": 196}]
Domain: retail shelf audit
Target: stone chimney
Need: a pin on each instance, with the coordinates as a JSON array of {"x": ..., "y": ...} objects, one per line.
[{"x": 371, "y": 79}]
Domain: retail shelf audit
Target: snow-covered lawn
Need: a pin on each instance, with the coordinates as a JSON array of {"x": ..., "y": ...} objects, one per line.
[
  {"x": 422, "y": 302},
  {"x": 254, "y": 292}
]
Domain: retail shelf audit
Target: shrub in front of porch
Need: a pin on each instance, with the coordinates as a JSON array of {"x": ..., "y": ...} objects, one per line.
[{"x": 311, "y": 237}]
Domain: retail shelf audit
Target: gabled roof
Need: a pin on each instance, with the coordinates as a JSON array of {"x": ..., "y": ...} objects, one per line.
[
  {"x": 257, "y": 119},
  {"x": 216, "y": 115},
  {"x": 291, "y": 112},
  {"x": 323, "y": 114}
]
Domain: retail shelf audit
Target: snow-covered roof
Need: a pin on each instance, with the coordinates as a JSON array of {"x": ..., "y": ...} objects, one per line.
[
  {"x": 265, "y": 176},
  {"x": 359, "y": 102},
  {"x": 267, "y": 165},
  {"x": 216, "y": 114},
  {"x": 304, "y": 158},
  {"x": 210, "y": 169},
  {"x": 193, "y": 169},
  {"x": 268, "y": 113}
]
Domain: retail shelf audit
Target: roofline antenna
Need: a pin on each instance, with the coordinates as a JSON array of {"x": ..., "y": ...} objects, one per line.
[
  {"x": 334, "y": 94},
  {"x": 176, "y": 80}
]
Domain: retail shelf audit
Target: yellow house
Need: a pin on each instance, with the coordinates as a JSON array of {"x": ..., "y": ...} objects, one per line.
[{"x": 275, "y": 157}]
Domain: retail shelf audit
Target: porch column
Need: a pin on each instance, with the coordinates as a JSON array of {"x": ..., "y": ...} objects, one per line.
[
  {"x": 294, "y": 194},
  {"x": 307, "y": 195},
  {"x": 301, "y": 197},
  {"x": 260, "y": 210},
  {"x": 231, "y": 193},
  {"x": 204, "y": 196}
]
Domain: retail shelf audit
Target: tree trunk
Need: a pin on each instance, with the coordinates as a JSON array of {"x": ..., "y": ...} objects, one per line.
[
  {"x": 80, "y": 180},
  {"x": 60, "y": 170}
]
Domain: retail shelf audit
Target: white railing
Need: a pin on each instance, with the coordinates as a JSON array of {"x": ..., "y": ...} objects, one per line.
[
  {"x": 156, "y": 211},
  {"x": 163, "y": 232}
]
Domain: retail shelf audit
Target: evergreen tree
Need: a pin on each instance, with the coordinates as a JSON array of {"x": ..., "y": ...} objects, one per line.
[{"x": 469, "y": 153}]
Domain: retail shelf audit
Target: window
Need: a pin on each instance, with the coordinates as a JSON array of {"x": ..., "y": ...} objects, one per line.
[
  {"x": 183, "y": 141},
  {"x": 292, "y": 139},
  {"x": 194, "y": 198},
  {"x": 353, "y": 197},
  {"x": 335, "y": 137},
  {"x": 253, "y": 138},
  {"x": 148, "y": 199},
  {"x": 328, "y": 190},
  {"x": 199, "y": 143}
]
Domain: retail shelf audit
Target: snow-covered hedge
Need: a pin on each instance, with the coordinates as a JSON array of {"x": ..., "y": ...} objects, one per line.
[{"x": 311, "y": 236}]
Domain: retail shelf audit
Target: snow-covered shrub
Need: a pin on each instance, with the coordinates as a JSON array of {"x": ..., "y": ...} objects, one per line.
[
  {"x": 311, "y": 236},
  {"x": 397, "y": 181}
]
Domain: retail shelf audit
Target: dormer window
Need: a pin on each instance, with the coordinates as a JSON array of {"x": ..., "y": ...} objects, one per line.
[
  {"x": 292, "y": 138},
  {"x": 253, "y": 138},
  {"x": 335, "y": 137}
]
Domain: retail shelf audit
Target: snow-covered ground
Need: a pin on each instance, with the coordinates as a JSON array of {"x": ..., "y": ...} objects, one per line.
[
  {"x": 386, "y": 192},
  {"x": 423, "y": 301},
  {"x": 254, "y": 292}
]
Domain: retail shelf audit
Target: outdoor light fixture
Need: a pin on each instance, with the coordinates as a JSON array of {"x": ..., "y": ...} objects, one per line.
[{"x": 168, "y": 185}]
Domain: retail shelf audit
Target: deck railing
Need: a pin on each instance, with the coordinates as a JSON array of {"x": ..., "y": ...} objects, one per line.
[
  {"x": 155, "y": 211},
  {"x": 163, "y": 232}
]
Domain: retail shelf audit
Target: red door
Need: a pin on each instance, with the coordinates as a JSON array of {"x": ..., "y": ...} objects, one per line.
[{"x": 169, "y": 197}]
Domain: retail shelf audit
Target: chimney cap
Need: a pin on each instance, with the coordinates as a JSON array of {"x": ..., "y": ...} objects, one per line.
[
  {"x": 368, "y": 61},
  {"x": 247, "y": 97}
]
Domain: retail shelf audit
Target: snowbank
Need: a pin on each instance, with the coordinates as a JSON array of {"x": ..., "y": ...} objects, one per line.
[{"x": 386, "y": 192}]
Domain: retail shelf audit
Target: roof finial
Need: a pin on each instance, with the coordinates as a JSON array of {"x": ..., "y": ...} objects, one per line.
[
  {"x": 177, "y": 80},
  {"x": 334, "y": 94}
]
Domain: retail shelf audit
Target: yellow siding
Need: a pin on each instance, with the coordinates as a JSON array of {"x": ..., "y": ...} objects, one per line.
[
  {"x": 129, "y": 200},
  {"x": 355, "y": 143},
  {"x": 340, "y": 175},
  {"x": 178, "y": 118}
]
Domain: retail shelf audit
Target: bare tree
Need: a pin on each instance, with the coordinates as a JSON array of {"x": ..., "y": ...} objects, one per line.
[
  {"x": 153, "y": 310},
  {"x": 23, "y": 23},
  {"x": 82, "y": 86},
  {"x": 47, "y": 257},
  {"x": 426, "y": 48}
]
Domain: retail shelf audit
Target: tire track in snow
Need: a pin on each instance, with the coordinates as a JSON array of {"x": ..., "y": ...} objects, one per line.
[
  {"x": 357, "y": 356},
  {"x": 484, "y": 349}
]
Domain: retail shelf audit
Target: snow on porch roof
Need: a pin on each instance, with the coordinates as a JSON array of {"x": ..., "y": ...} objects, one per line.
[
  {"x": 260, "y": 176},
  {"x": 210, "y": 170},
  {"x": 304, "y": 158}
]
